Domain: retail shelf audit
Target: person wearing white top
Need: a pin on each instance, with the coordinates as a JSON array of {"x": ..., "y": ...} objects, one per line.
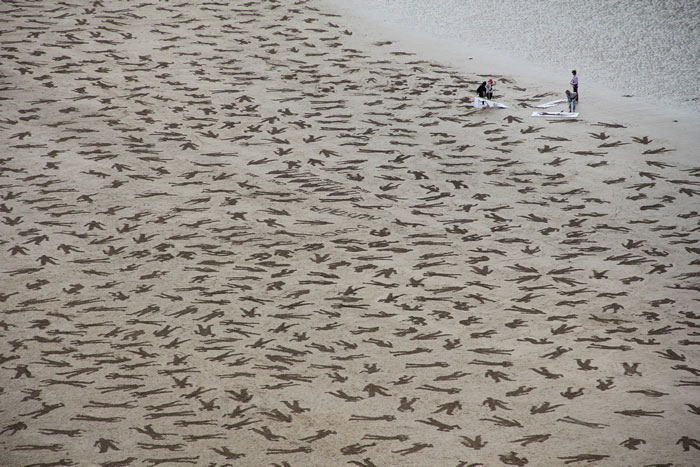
[
  {"x": 574, "y": 83},
  {"x": 489, "y": 89},
  {"x": 571, "y": 98}
]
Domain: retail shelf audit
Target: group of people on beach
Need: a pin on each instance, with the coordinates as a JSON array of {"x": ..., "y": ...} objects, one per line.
[{"x": 485, "y": 91}]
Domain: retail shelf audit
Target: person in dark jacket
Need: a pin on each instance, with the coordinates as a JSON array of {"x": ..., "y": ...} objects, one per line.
[{"x": 481, "y": 90}]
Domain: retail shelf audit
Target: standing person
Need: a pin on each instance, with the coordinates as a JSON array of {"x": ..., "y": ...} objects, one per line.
[
  {"x": 572, "y": 98},
  {"x": 489, "y": 89},
  {"x": 574, "y": 83},
  {"x": 481, "y": 90}
]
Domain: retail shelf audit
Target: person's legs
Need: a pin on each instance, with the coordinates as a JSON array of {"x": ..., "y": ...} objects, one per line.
[{"x": 576, "y": 91}]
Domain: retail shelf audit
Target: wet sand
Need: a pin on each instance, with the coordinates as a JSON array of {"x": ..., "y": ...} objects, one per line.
[{"x": 253, "y": 235}]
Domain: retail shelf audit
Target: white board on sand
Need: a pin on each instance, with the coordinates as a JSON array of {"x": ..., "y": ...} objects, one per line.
[
  {"x": 555, "y": 114},
  {"x": 550, "y": 104},
  {"x": 481, "y": 103}
]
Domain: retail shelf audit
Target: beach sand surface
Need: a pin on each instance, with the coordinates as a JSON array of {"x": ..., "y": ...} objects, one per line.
[
  {"x": 642, "y": 50},
  {"x": 269, "y": 233}
]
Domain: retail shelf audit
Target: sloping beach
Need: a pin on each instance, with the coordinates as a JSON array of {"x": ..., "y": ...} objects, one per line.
[
  {"x": 644, "y": 51},
  {"x": 261, "y": 233}
]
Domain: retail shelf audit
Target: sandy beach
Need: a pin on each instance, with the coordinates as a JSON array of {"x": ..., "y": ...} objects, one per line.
[
  {"x": 262, "y": 234},
  {"x": 637, "y": 51}
]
